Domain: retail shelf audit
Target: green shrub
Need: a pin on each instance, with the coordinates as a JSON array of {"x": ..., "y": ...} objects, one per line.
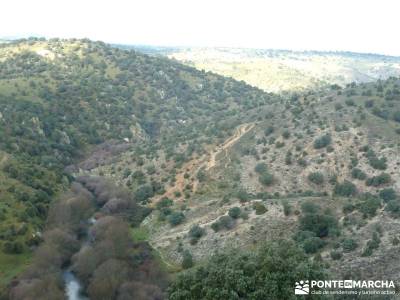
[
  {"x": 388, "y": 194},
  {"x": 316, "y": 177},
  {"x": 379, "y": 180},
  {"x": 393, "y": 206},
  {"x": 287, "y": 209},
  {"x": 187, "y": 260},
  {"x": 164, "y": 202},
  {"x": 266, "y": 179},
  {"x": 195, "y": 233},
  {"x": 224, "y": 222},
  {"x": 286, "y": 134},
  {"x": 322, "y": 141},
  {"x": 321, "y": 224},
  {"x": 302, "y": 235},
  {"x": 369, "y": 205},
  {"x": 313, "y": 244},
  {"x": 375, "y": 162},
  {"x": 259, "y": 208},
  {"x": 358, "y": 174},
  {"x": 176, "y": 218},
  {"x": 309, "y": 207},
  {"x": 243, "y": 196},
  {"x": 349, "y": 245},
  {"x": 261, "y": 168},
  {"x": 234, "y": 212},
  {"x": 345, "y": 189}
]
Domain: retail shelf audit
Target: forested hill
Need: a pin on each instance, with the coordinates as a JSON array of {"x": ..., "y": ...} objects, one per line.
[{"x": 60, "y": 98}]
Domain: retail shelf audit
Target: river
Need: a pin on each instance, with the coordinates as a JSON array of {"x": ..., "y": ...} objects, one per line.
[{"x": 73, "y": 287}]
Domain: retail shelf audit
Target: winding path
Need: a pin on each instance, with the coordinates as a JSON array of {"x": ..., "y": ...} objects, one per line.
[{"x": 206, "y": 161}]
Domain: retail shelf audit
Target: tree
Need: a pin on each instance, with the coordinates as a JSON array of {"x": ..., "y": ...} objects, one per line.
[
  {"x": 266, "y": 274},
  {"x": 107, "y": 279}
]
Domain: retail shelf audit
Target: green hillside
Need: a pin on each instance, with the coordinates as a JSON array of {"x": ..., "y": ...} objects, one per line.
[
  {"x": 61, "y": 98},
  {"x": 141, "y": 174}
]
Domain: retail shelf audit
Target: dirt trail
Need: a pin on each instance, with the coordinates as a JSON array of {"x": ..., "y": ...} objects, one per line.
[
  {"x": 239, "y": 132},
  {"x": 206, "y": 161}
]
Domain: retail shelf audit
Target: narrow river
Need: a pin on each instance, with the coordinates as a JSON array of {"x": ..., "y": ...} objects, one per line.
[{"x": 73, "y": 287}]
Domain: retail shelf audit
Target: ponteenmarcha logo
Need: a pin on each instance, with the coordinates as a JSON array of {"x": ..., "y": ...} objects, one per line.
[
  {"x": 350, "y": 287},
  {"x": 302, "y": 287}
]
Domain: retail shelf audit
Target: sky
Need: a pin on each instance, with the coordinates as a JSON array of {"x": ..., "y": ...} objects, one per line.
[{"x": 340, "y": 25}]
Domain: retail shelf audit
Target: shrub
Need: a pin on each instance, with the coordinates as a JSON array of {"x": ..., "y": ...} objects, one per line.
[
  {"x": 388, "y": 194},
  {"x": 336, "y": 255},
  {"x": 261, "y": 168},
  {"x": 345, "y": 189},
  {"x": 309, "y": 208},
  {"x": 176, "y": 218},
  {"x": 302, "y": 235},
  {"x": 369, "y": 205},
  {"x": 286, "y": 134},
  {"x": 143, "y": 193},
  {"x": 379, "y": 180},
  {"x": 349, "y": 245},
  {"x": 393, "y": 206},
  {"x": 269, "y": 131},
  {"x": 164, "y": 202},
  {"x": 316, "y": 177},
  {"x": 13, "y": 247},
  {"x": 224, "y": 222},
  {"x": 234, "y": 212},
  {"x": 287, "y": 209},
  {"x": 266, "y": 179},
  {"x": 322, "y": 141},
  {"x": 358, "y": 174},
  {"x": 375, "y": 162},
  {"x": 260, "y": 208},
  {"x": 243, "y": 196},
  {"x": 187, "y": 260},
  {"x": 195, "y": 233},
  {"x": 313, "y": 244},
  {"x": 371, "y": 245},
  {"x": 321, "y": 224}
]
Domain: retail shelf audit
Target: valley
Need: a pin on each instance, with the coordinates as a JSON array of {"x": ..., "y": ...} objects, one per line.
[
  {"x": 284, "y": 71},
  {"x": 189, "y": 174}
]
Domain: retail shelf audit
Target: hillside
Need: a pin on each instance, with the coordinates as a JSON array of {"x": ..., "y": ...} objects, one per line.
[
  {"x": 332, "y": 156},
  {"x": 284, "y": 70},
  {"x": 63, "y": 99},
  {"x": 122, "y": 169}
]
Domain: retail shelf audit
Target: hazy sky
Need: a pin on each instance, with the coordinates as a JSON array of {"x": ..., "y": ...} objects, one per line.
[{"x": 354, "y": 25}]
